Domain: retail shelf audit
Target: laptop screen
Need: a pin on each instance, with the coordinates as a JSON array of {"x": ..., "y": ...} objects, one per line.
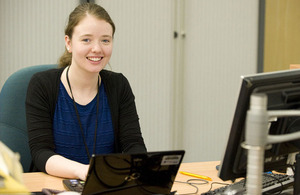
[{"x": 146, "y": 173}]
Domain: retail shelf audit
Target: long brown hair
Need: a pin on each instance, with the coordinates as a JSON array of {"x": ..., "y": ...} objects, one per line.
[{"x": 75, "y": 17}]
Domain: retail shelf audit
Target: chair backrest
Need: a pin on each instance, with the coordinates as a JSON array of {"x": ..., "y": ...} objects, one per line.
[{"x": 13, "y": 129}]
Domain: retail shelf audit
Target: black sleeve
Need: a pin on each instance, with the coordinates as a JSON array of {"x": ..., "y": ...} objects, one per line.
[
  {"x": 130, "y": 136},
  {"x": 39, "y": 121}
]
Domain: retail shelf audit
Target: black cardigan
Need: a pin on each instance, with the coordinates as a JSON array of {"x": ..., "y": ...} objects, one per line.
[{"x": 41, "y": 99}]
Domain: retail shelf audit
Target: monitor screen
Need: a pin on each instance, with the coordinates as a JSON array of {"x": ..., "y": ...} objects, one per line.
[{"x": 283, "y": 91}]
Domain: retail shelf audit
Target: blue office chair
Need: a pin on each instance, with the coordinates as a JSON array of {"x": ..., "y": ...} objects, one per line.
[{"x": 13, "y": 129}]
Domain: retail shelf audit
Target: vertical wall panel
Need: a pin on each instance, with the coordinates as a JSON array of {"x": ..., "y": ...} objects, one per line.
[
  {"x": 282, "y": 30},
  {"x": 221, "y": 45},
  {"x": 31, "y": 33}
]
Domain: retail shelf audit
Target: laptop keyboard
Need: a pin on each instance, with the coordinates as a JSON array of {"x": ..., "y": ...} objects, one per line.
[{"x": 73, "y": 185}]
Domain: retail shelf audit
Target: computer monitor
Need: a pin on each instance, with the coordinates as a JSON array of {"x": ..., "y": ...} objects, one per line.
[{"x": 283, "y": 91}]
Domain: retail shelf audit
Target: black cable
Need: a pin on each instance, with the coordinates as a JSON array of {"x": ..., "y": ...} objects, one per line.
[
  {"x": 193, "y": 184},
  {"x": 211, "y": 185}
]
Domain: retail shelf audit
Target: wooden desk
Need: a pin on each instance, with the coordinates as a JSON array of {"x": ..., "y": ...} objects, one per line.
[
  {"x": 200, "y": 168},
  {"x": 37, "y": 181}
]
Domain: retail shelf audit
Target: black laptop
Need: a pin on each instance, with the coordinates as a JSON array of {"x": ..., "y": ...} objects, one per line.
[{"x": 138, "y": 174}]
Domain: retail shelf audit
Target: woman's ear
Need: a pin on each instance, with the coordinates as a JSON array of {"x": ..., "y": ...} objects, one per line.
[{"x": 68, "y": 43}]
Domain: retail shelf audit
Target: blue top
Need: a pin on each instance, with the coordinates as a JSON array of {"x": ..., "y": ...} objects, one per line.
[{"x": 68, "y": 138}]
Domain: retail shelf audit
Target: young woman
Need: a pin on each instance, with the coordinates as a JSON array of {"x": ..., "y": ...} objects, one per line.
[{"x": 81, "y": 109}]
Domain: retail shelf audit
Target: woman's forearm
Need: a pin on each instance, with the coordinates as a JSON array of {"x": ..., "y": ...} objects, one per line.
[{"x": 62, "y": 167}]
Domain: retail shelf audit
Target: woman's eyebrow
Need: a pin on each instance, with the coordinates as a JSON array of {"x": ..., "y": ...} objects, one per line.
[
  {"x": 86, "y": 35},
  {"x": 89, "y": 35},
  {"x": 109, "y": 36}
]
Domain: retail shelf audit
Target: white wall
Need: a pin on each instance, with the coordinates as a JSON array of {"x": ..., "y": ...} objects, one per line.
[
  {"x": 186, "y": 88},
  {"x": 31, "y": 32}
]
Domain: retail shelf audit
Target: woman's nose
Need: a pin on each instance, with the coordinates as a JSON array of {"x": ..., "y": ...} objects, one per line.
[{"x": 97, "y": 48}]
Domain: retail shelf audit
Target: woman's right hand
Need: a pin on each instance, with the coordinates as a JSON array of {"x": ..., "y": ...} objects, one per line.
[{"x": 82, "y": 172}]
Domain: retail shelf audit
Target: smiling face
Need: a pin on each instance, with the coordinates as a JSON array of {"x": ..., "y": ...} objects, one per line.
[{"x": 91, "y": 44}]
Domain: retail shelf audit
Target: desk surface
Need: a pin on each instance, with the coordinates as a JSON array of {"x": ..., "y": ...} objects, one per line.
[{"x": 37, "y": 181}]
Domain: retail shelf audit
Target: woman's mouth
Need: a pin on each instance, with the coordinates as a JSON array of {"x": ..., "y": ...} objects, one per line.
[{"x": 95, "y": 59}]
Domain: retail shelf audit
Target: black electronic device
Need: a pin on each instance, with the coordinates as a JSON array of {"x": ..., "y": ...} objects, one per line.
[
  {"x": 271, "y": 183},
  {"x": 142, "y": 173},
  {"x": 283, "y": 91},
  {"x": 75, "y": 185}
]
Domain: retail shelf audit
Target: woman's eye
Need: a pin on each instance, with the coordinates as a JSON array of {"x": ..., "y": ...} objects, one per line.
[
  {"x": 86, "y": 40},
  {"x": 105, "y": 41}
]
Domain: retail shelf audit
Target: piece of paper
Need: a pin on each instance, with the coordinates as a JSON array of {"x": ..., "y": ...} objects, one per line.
[{"x": 10, "y": 163}]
